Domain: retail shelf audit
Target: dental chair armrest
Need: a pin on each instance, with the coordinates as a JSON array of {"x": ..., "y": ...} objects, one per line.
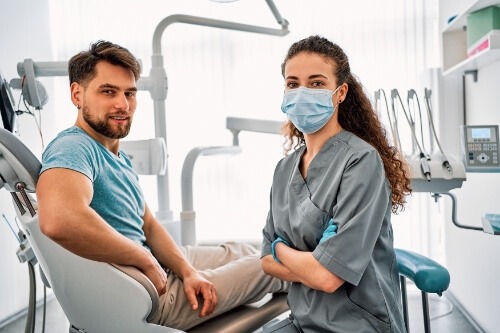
[{"x": 140, "y": 277}]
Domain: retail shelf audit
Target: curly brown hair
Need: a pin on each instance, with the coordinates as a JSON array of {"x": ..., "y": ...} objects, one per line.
[{"x": 356, "y": 114}]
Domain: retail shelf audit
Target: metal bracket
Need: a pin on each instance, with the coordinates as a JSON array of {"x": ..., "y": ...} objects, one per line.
[
  {"x": 472, "y": 72},
  {"x": 454, "y": 219}
]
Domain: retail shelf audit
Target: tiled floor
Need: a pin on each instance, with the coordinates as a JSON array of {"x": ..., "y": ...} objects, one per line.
[{"x": 444, "y": 317}]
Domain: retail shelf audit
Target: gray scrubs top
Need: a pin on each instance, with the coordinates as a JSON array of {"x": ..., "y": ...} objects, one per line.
[{"x": 345, "y": 181}]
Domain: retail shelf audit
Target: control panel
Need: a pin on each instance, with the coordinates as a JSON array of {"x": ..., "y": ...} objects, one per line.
[{"x": 480, "y": 148}]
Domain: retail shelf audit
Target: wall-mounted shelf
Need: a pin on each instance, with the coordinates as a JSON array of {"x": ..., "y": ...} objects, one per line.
[
  {"x": 480, "y": 59},
  {"x": 454, "y": 39},
  {"x": 460, "y": 21}
]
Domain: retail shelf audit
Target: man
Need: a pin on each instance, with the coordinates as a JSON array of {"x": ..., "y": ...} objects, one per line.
[{"x": 103, "y": 215}]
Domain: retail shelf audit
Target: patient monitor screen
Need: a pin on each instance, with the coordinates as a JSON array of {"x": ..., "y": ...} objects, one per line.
[{"x": 8, "y": 115}]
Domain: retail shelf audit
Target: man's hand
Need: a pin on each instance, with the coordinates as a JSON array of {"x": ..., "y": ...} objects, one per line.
[
  {"x": 157, "y": 275},
  {"x": 196, "y": 286}
]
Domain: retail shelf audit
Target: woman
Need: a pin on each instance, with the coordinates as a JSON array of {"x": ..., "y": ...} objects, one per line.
[{"x": 329, "y": 226}]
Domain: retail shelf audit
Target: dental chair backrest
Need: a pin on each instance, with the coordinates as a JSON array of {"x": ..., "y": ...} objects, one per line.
[{"x": 95, "y": 296}]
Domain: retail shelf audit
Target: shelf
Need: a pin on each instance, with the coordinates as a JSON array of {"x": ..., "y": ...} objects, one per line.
[
  {"x": 480, "y": 59},
  {"x": 461, "y": 19}
]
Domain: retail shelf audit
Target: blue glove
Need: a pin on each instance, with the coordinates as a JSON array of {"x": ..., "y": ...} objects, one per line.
[
  {"x": 330, "y": 231},
  {"x": 273, "y": 247}
]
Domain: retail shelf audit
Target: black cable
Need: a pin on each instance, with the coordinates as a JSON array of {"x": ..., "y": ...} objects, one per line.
[
  {"x": 427, "y": 98},
  {"x": 44, "y": 306},
  {"x": 412, "y": 93},
  {"x": 395, "y": 137},
  {"x": 395, "y": 124},
  {"x": 30, "y": 320}
]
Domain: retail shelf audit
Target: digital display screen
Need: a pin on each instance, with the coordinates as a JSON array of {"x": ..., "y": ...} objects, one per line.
[
  {"x": 7, "y": 113},
  {"x": 481, "y": 133}
]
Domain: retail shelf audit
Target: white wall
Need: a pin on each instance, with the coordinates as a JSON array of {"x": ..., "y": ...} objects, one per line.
[
  {"x": 472, "y": 256},
  {"x": 29, "y": 19}
]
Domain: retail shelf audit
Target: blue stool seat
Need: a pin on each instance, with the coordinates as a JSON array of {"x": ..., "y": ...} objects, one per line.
[{"x": 428, "y": 276}]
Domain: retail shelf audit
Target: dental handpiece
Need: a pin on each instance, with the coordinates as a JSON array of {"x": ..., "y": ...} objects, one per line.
[{"x": 425, "y": 167}]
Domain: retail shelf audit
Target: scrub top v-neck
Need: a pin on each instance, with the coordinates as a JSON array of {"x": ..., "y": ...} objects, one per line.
[{"x": 345, "y": 181}]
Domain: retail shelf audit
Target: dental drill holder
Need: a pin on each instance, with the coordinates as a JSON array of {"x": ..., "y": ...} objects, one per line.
[{"x": 436, "y": 175}]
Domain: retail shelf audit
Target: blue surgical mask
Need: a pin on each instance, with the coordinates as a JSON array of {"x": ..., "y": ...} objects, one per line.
[{"x": 308, "y": 109}]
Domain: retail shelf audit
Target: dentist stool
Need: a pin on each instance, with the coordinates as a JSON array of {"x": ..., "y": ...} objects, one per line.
[{"x": 428, "y": 276}]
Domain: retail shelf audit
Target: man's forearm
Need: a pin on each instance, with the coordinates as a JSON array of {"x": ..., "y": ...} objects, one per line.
[
  {"x": 166, "y": 251},
  {"x": 91, "y": 237}
]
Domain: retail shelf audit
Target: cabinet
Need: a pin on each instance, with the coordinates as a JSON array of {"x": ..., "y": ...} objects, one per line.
[{"x": 454, "y": 35}]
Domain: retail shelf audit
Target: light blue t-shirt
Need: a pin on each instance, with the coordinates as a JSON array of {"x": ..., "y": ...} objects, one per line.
[{"x": 117, "y": 196}]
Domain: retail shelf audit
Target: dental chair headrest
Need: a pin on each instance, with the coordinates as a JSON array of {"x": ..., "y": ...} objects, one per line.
[{"x": 17, "y": 163}]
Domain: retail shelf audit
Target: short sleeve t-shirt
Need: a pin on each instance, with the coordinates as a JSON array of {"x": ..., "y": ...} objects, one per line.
[{"x": 117, "y": 196}]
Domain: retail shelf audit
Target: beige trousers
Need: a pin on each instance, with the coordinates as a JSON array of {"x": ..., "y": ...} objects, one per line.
[{"x": 234, "y": 269}]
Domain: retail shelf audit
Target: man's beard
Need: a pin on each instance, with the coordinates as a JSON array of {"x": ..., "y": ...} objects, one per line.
[{"x": 102, "y": 126}]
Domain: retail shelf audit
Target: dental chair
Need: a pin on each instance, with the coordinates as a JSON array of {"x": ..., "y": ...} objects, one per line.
[{"x": 98, "y": 297}]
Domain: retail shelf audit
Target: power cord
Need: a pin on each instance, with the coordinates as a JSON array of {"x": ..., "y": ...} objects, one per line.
[
  {"x": 427, "y": 98},
  {"x": 392, "y": 124},
  {"x": 30, "y": 320},
  {"x": 423, "y": 158},
  {"x": 28, "y": 111}
]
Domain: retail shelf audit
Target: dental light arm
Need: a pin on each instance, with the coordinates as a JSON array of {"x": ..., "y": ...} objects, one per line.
[
  {"x": 52, "y": 69},
  {"x": 203, "y": 21},
  {"x": 236, "y": 125},
  {"x": 276, "y": 13},
  {"x": 157, "y": 82},
  {"x": 188, "y": 215},
  {"x": 44, "y": 68}
]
